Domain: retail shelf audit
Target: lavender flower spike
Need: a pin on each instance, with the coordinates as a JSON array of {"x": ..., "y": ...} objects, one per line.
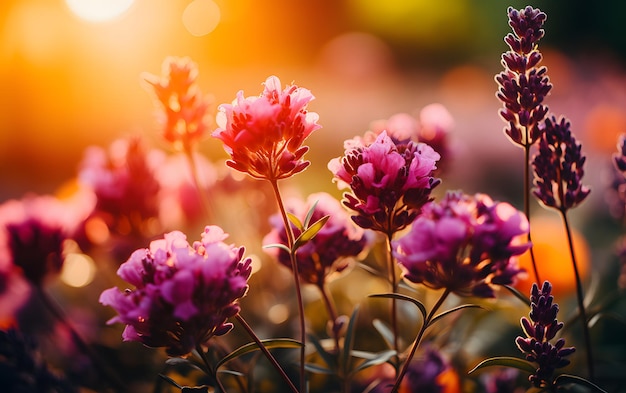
[
  {"x": 540, "y": 329},
  {"x": 523, "y": 84},
  {"x": 558, "y": 167}
]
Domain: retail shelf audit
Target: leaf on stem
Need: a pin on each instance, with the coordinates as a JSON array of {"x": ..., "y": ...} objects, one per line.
[
  {"x": 399, "y": 296},
  {"x": 250, "y": 347},
  {"x": 309, "y": 214},
  {"x": 278, "y": 245},
  {"x": 518, "y": 294},
  {"x": 375, "y": 360},
  {"x": 564, "y": 379},
  {"x": 385, "y": 331},
  {"x": 295, "y": 221},
  {"x": 309, "y": 233},
  {"x": 326, "y": 356},
  {"x": 344, "y": 360},
  {"x": 506, "y": 361},
  {"x": 455, "y": 309}
]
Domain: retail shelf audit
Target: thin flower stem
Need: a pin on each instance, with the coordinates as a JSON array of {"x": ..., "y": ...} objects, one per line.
[
  {"x": 296, "y": 278},
  {"x": 104, "y": 369},
  {"x": 527, "y": 202},
  {"x": 211, "y": 373},
  {"x": 332, "y": 312},
  {"x": 193, "y": 168},
  {"x": 266, "y": 352},
  {"x": 420, "y": 335},
  {"x": 394, "y": 312},
  {"x": 580, "y": 297}
]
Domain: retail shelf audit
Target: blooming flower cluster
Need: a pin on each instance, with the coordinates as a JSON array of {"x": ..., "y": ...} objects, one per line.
[
  {"x": 184, "y": 294},
  {"x": 389, "y": 182},
  {"x": 465, "y": 244},
  {"x": 264, "y": 135},
  {"x": 329, "y": 250},
  {"x": 539, "y": 330}
]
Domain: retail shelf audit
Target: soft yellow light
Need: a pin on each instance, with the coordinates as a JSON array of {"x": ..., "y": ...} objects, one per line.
[
  {"x": 278, "y": 313},
  {"x": 201, "y": 17},
  {"x": 98, "y": 10},
  {"x": 78, "y": 270}
]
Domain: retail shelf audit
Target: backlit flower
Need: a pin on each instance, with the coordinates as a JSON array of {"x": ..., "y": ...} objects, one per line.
[
  {"x": 558, "y": 167},
  {"x": 523, "y": 84},
  {"x": 464, "y": 244},
  {"x": 264, "y": 134},
  {"x": 183, "y": 294},
  {"x": 539, "y": 330},
  {"x": 186, "y": 113},
  {"x": 389, "y": 183},
  {"x": 330, "y": 249}
]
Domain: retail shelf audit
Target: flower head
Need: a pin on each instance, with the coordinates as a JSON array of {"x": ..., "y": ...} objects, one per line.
[
  {"x": 389, "y": 183},
  {"x": 539, "y": 330},
  {"x": 330, "y": 249},
  {"x": 186, "y": 117},
  {"x": 523, "y": 84},
  {"x": 183, "y": 294},
  {"x": 264, "y": 135},
  {"x": 558, "y": 167},
  {"x": 464, "y": 244}
]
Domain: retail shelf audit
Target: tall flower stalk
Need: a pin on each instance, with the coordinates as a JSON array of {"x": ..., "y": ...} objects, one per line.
[
  {"x": 558, "y": 168},
  {"x": 264, "y": 137},
  {"x": 523, "y": 85}
]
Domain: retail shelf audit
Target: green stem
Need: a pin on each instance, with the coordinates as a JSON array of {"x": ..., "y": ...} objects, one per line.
[
  {"x": 211, "y": 372},
  {"x": 527, "y": 203},
  {"x": 296, "y": 278},
  {"x": 332, "y": 312},
  {"x": 266, "y": 352},
  {"x": 420, "y": 335},
  {"x": 579, "y": 296},
  {"x": 394, "y": 312}
]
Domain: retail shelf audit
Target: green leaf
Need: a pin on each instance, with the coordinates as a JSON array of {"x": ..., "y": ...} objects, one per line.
[
  {"x": 250, "y": 347},
  {"x": 203, "y": 388},
  {"x": 170, "y": 381},
  {"x": 317, "y": 369},
  {"x": 348, "y": 342},
  {"x": 455, "y": 309},
  {"x": 182, "y": 361},
  {"x": 231, "y": 372},
  {"x": 506, "y": 361},
  {"x": 518, "y": 294},
  {"x": 295, "y": 221},
  {"x": 567, "y": 379},
  {"x": 277, "y": 245},
  {"x": 399, "y": 296},
  {"x": 326, "y": 356},
  {"x": 379, "y": 358},
  {"x": 310, "y": 232},
  {"x": 309, "y": 214},
  {"x": 385, "y": 331}
]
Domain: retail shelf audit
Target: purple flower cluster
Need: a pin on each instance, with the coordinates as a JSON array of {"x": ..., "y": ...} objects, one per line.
[
  {"x": 558, "y": 167},
  {"x": 465, "y": 244},
  {"x": 184, "y": 294},
  {"x": 540, "y": 329},
  {"x": 523, "y": 83},
  {"x": 389, "y": 182},
  {"x": 330, "y": 249}
]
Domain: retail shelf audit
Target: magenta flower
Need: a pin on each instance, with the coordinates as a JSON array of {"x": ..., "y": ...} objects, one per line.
[
  {"x": 389, "y": 183},
  {"x": 330, "y": 250},
  {"x": 186, "y": 113},
  {"x": 183, "y": 294},
  {"x": 465, "y": 244},
  {"x": 264, "y": 135}
]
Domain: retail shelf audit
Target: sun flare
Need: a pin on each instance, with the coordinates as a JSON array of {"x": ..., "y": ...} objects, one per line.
[{"x": 98, "y": 10}]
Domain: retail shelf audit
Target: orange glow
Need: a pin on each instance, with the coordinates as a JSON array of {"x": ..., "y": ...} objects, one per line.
[
  {"x": 98, "y": 10},
  {"x": 553, "y": 257},
  {"x": 201, "y": 17}
]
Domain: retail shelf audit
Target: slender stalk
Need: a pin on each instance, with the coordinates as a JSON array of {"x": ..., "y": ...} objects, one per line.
[
  {"x": 211, "y": 373},
  {"x": 266, "y": 352},
  {"x": 193, "y": 168},
  {"x": 102, "y": 368},
  {"x": 580, "y": 297},
  {"x": 332, "y": 312},
  {"x": 394, "y": 311},
  {"x": 527, "y": 202},
  {"x": 296, "y": 278},
  {"x": 418, "y": 339}
]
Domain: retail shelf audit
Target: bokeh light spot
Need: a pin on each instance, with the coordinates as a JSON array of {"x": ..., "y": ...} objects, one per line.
[
  {"x": 201, "y": 17},
  {"x": 98, "y": 10},
  {"x": 278, "y": 313},
  {"x": 78, "y": 270}
]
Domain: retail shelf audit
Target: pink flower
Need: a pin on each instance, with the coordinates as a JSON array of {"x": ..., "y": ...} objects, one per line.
[
  {"x": 330, "y": 250},
  {"x": 184, "y": 294},
  {"x": 389, "y": 183},
  {"x": 264, "y": 135},
  {"x": 186, "y": 117},
  {"x": 464, "y": 244}
]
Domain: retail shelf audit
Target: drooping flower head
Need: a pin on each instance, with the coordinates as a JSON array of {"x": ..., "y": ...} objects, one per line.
[
  {"x": 558, "y": 167},
  {"x": 523, "y": 84},
  {"x": 183, "y": 294},
  {"x": 186, "y": 117},
  {"x": 330, "y": 250},
  {"x": 264, "y": 134},
  {"x": 539, "y": 330},
  {"x": 389, "y": 183},
  {"x": 464, "y": 243}
]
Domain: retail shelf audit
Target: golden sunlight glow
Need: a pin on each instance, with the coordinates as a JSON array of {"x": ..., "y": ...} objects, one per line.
[
  {"x": 201, "y": 17},
  {"x": 278, "y": 313},
  {"x": 98, "y": 10},
  {"x": 78, "y": 270}
]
